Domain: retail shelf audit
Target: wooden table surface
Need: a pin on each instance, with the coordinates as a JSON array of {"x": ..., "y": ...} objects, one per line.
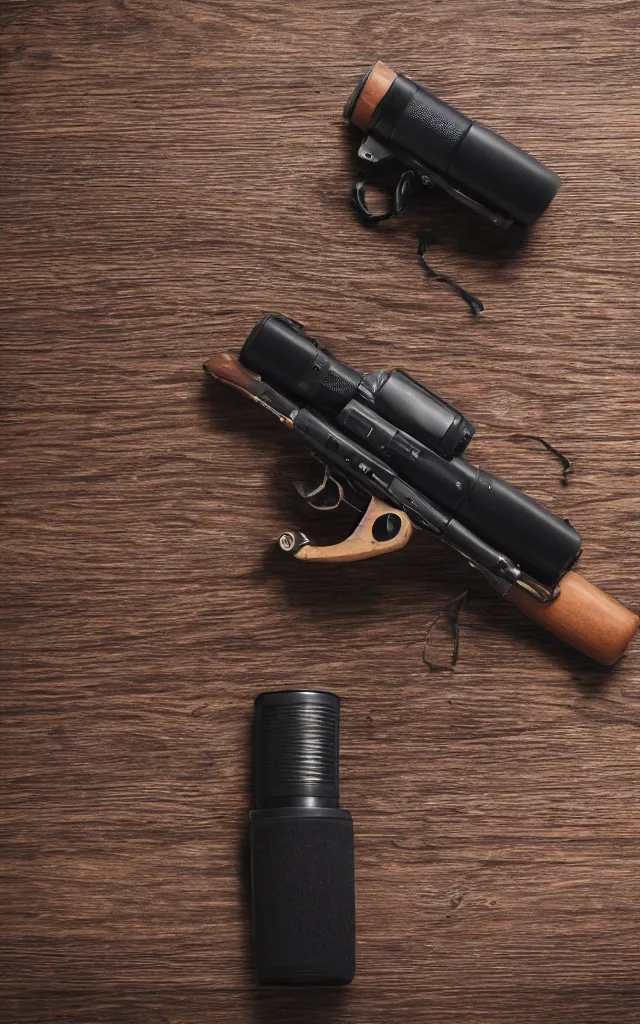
[{"x": 170, "y": 170}]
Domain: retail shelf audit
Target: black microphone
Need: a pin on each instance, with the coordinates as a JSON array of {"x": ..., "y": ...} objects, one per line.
[{"x": 302, "y": 861}]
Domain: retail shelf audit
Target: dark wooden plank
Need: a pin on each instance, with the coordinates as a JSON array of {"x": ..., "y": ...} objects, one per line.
[{"x": 171, "y": 170}]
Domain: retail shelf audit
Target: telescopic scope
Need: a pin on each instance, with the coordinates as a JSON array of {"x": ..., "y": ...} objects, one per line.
[
  {"x": 418, "y": 126},
  {"x": 279, "y": 350}
]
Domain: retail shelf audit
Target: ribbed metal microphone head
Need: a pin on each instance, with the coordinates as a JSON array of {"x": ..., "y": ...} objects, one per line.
[{"x": 296, "y": 749}]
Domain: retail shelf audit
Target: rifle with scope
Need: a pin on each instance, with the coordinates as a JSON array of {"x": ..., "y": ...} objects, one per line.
[{"x": 388, "y": 437}]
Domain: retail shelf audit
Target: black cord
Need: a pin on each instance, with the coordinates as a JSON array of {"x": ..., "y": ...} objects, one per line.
[{"x": 427, "y": 238}]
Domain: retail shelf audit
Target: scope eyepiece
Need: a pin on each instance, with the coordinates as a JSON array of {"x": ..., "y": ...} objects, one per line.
[
  {"x": 476, "y": 164},
  {"x": 285, "y": 356}
]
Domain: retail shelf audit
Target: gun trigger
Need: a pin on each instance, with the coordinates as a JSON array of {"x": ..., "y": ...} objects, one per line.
[
  {"x": 374, "y": 153},
  {"x": 397, "y": 202},
  {"x": 309, "y": 493},
  {"x": 381, "y": 530}
]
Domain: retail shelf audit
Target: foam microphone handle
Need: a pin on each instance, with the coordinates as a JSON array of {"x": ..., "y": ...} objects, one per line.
[{"x": 302, "y": 853}]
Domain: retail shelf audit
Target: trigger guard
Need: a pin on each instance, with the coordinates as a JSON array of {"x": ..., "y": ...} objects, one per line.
[
  {"x": 401, "y": 195},
  {"x": 321, "y": 489}
]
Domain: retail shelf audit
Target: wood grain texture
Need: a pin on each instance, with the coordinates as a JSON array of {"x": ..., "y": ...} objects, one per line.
[
  {"x": 583, "y": 616},
  {"x": 171, "y": 170},
  {"x": 376, "y": 87}
]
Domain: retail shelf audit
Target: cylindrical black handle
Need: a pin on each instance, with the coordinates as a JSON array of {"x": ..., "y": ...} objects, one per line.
[
  {"x": 504, "y": 176},
  {"x": 302, "y": 858},
  {"x": 469, "y": 157},
  {"x": 482, "y": 162}
]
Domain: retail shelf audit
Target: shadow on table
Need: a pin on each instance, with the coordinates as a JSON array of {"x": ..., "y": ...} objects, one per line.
[{"x": 307, "y": 1005}]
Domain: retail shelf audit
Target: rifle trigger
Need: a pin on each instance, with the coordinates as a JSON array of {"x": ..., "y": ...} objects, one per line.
[
  {"x": 309, "y": 493},
  {"x": 401, "y": 195}
]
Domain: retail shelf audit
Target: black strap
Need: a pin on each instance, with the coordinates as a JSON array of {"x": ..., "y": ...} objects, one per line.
[
  {"x": 566, "y": 463},
  {"x": 427, "y": 238},
  {"x": 402, "y": 194},
  {"x": 398, "y": 201}
]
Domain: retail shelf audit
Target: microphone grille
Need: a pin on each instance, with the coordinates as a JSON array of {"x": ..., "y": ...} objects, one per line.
[{"x": 296, "y": 747}]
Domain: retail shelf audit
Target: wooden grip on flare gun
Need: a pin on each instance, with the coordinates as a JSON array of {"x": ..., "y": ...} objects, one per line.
[
  {"x": 583, "y": 616},
  {"x": 381, "y": 530}
]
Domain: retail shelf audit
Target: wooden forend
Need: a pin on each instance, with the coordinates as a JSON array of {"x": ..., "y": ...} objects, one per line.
[{"x": 584, "y": 617}]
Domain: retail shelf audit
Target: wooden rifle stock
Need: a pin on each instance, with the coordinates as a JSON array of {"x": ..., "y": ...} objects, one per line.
[
  {"x": 583, "y": 616},
  {"x": 227, "y": 368}
]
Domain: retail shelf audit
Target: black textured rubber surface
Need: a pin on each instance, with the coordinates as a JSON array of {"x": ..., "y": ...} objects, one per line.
[{"x": 303, "y": 897}]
